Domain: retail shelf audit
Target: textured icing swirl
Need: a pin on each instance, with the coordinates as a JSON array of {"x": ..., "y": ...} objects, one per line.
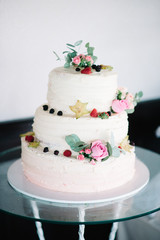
[
  {"x": 52, "y": 129},
  {"x": 66, "y": 86}
]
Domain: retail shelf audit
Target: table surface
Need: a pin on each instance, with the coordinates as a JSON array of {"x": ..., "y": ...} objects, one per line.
[{"x": 144, "y": 202}]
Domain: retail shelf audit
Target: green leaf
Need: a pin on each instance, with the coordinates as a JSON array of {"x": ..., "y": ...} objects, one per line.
[
  {"x": 109, "y": 148},
  {"x": 87, "y": 45},
  {"x": 119, "y": 95},
  {"x": 90, "y": 51},
  {"x": 70, "y": 45},
  {"x": 129, "y": 111},
  {"x": 33, "y": 144},
  {"x": 65, "y": 52},
  {"x": 140, "y": 94},
  {"x": 68, "y": 58},
  {"x": 79, "y": 146},
  {"x": 27, "y": 134},
  {"x": 72, "y": 139},
  {"x": 94, "y": 58},
  {"x": 75, "y": 143},
  {"x": 115, "y": 152},
  {"x": 78, "y": 43},
  {"x": 104, "y": 159},
  {"x": 72, "y": 49},
  {"x": 67, "y": 65},
  {"x": 58, "y": 58},
  {"x": 73, "y": 54},
  {"x": 112, "y": 140}
]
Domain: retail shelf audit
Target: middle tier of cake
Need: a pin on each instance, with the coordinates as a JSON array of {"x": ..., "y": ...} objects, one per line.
[{"x": 51, "y": 129}]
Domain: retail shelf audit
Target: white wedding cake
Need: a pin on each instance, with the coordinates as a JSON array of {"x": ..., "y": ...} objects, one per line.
[{"x": 79, "y": 141}]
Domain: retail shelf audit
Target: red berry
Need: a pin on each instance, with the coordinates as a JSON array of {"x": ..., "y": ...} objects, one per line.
[
  {"x": 29, "y": 138},
  {"x": 67, "y": 153},
  {"x": 94, "y": 113},
  {"x": 120, "y": 147},
  {"x": 86, "y": 70}
]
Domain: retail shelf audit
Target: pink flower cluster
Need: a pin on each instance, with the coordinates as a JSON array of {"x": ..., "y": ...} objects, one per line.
[
  {"x": 97, "y": 152},
  {"x": 124, "y": 102},
  {"x": 77, "y": 59}
]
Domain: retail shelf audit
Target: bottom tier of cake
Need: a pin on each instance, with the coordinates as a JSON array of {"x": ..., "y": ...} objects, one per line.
[{"x": 68, "y": 174}]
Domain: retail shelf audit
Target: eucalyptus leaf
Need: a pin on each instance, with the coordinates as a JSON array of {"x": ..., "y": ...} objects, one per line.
[
  {"x": 73, "y": 54},
  {"x": 109, "y": 148},
  {"x": 87, "y": 45},
  {"x": 78, "y": 43},
  {"x": 72, "y": 49},
  {"x": 65, "y": 52},
  {"x": 104, "y": 159},
  {"x": 112, "y": 140},
  {"x": 129, "y": 111},
  {"x": 70, "y": 45},
  {"x": 58, "y": 58},
  {"x": 94, "y": 58},
  {"x": 90, "y": 50},
  {"x": 72, "y": 139},
  {"x": 140, "y": 94},
  {"x": 79, "y": 146},
  {"x": 115, "y": 152},
  {"x": 66, "y": 65}
]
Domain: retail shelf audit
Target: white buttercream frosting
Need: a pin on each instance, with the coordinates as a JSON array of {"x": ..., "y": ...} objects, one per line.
[
  {"x": 52, "y": 129},
  {"x": 66, "y": 86},
  {"x": 60, "y": 173}
]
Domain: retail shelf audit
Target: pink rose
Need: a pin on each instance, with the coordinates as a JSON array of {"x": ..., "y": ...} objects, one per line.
[
  {"x": 130, "y": 99},
  {"x": 81, "y": 151},
  {"x": 87, "y": 151},
  {"x": 99, "y": 150},
  {"x": 80, "y": 157},
  {"x": 76, "y": 60},
  {"x": 119, "y": 106},
  {"x": 89, "y": 59}
]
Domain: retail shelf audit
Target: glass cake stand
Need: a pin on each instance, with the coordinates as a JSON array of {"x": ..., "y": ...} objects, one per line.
[{"x": 146, "y": 201}]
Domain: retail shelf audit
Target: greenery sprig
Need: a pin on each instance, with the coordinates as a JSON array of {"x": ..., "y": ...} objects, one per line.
[{"x": 72, "y": 52}]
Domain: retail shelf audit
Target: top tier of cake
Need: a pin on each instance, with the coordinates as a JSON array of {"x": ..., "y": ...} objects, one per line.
[{"x": 66, "y": 86}]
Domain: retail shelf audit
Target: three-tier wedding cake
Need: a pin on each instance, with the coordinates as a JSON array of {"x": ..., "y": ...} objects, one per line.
[{"x": 79, "y": 141}]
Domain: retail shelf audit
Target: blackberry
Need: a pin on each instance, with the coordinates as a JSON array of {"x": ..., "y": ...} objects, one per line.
[
  {"x": 51, "y": 111},
  {"x": 98, "y": 68},
  {"x": 59, "y": 113},
  {"x": 77, "y": 69},
  {"x": 56, "y": 152},
  {"x": 94, "y": 66},
  {"x": 109, "y": 113},
  {"x": 45, "y": 107},
  {"x": 46, "y": 149}
]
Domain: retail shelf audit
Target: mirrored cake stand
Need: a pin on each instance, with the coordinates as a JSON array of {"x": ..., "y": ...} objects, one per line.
[{"x": 144, "y": 201}]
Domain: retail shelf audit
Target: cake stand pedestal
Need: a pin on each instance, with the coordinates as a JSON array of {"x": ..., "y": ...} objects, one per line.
[{"x": 146, "y": 201}]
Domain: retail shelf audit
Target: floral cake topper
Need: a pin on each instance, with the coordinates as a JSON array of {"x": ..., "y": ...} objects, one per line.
[
  {"x": 125, "y": 101},
  {"x": 83, "y": 62},
  {"x": 98, "y": 150}
]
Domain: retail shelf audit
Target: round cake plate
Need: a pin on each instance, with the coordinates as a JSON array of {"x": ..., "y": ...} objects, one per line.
[{"x": 21, "y": 184}]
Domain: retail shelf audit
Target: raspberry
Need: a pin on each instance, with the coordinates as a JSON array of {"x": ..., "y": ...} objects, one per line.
[
  {"x": 67, "y": 153},
  {"x": 94, "y": 113},
  {"x": 86, "y": 70},
  {"x": 29, "y": 138}
]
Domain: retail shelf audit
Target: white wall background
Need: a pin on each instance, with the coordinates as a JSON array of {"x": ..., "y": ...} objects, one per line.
[{"x": 125, "y": 33}]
